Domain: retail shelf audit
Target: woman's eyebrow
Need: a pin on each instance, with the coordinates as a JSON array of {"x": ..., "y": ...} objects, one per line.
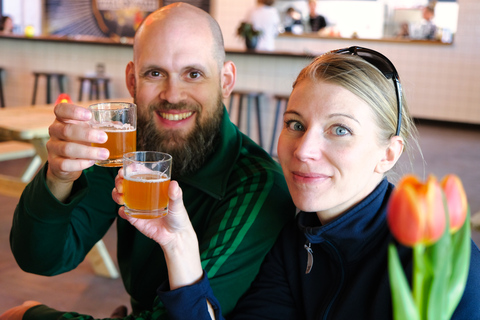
[
  {"x": 291, "y": 112},
  {"x": 343, "y": 115}
]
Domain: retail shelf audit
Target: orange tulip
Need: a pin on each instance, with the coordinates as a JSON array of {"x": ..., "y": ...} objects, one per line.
[
  {"x": 416, "y": 213},
  {"x": 456, "y": 201}
]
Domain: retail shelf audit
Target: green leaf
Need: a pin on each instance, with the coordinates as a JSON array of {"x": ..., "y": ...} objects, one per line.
[
  {"x": 402, "y": 299},
  {"x": 461, "y": 245}
]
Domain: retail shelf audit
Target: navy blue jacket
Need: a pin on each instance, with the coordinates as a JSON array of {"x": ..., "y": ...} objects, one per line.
[{"x": 348, "y": 278}]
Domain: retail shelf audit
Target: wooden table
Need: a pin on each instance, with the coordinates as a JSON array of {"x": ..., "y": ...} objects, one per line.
[
  {"x": 31, "y": 124},
  {"x": 25, "y": 124}
]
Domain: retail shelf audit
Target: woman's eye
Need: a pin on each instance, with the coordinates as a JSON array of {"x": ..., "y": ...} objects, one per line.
[
  {"x": 294, "y": 125},
  {"x": 341, "y": 131}
]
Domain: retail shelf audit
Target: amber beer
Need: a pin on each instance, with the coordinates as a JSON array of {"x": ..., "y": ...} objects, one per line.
[
  {"x": 146, "y": 195},
  {"x": 145, "y": 185},
  {"x": 118, "y": 143},
  {"x": 119, "y": 121}
]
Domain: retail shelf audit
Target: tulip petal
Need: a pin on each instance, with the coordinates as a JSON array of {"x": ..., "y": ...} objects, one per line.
[
  {"x": 404, "y": 219},
  {"x": 456, "y": 201},
  {"x": 435, "y": 211}
]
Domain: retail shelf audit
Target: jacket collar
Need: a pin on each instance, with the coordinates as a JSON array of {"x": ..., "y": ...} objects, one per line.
[
  {"x": 355, "y": 230},
  {"x": 212, "y": 178}
]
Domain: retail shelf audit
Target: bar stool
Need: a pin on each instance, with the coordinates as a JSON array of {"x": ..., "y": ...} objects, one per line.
[
  {"x": 2, "y": 98},
  {"x": 281, "y": 106},
  {"x": 252, "y": 97},
  {"x": 94, "y": 83},
  {"x": 48, "y": 75}
]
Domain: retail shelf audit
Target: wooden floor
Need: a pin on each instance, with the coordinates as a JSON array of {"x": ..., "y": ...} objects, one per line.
[{"x": 446, "y": 149}]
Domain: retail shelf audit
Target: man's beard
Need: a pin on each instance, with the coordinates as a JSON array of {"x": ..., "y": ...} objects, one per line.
[{"x": 189, "y": 152}]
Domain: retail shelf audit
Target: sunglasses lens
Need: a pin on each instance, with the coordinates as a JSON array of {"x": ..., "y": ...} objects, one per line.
[{"x": 379, "y": 62}]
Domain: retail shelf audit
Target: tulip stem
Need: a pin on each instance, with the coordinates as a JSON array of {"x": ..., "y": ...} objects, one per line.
[{"x": 420, "y": 279}]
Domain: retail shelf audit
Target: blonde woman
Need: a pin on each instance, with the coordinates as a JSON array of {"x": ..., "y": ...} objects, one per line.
[{"x": 346, "y": 126}]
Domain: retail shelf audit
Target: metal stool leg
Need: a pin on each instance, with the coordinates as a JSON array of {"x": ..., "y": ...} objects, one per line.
[
  {"x": 2, "y": 99},
  {"x": 259, "y": 120},
  {"x": 249, "y": 108},
  {"x": 275, "y": 123},
  {"x": 240, "y": 103},
  {"x": 107, "y": 94},
  {"x": 97, "y": 89},
  {"x": 35, "y": 89},
  {"x": 90, "y": 96},
  {"x": 80, "y": 91},
  {"x": 49, "y": 88},
  {"x": 60, "y": 83}
]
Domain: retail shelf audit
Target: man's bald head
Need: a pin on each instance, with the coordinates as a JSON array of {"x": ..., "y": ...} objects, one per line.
[{"x": 179, "y": 18}]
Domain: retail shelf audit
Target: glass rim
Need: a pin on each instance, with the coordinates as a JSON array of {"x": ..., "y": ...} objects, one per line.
[
  {"x": 112, "y": 105},
  {"x": 128, "y": 156}
]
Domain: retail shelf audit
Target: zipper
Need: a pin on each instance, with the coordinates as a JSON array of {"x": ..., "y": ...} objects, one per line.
[
  {"x": 309, "y": 257},
  {"x": 340, "y": 285}
]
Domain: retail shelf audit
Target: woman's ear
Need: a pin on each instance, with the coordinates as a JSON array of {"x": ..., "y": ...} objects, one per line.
[
  {"x": 130, "y": 78},
  {"x": 392, "y": 154},
  {"x": 229, "y": 75}
]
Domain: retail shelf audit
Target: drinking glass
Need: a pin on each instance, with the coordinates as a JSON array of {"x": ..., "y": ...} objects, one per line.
[
  {"x": 146, "y": 179},
  {"x": 119, "y": 121}
]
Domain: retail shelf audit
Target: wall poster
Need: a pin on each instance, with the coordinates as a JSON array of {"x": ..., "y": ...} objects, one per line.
[{"x": 103, "y": 18}]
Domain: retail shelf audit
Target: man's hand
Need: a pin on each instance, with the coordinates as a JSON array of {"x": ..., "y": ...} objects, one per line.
[
  {"x": 174, "y": 233},
  {"x": 16, "y": 313},
  {"x": 69, "y": 147},
  {"x": 161, "y": 230}
]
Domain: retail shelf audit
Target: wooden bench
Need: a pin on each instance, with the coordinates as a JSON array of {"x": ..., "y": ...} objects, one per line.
[{"x": 10, "y": 150}]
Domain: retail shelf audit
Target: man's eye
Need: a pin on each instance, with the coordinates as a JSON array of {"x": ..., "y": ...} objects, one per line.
[
  {"x": 154, "y": 73},
  {"x": 294, "y": 125},
  {"x": 194, "y": 75}
]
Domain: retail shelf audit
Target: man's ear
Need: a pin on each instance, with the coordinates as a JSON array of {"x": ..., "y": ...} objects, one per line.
[
  {"x": 130, "y": 78},
  {"x": 229, "y": 76},
  {"x": 392, "y": 154}
]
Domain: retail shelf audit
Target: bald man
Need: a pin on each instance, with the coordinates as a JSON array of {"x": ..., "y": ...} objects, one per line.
[{"x": 234, "y": 192}]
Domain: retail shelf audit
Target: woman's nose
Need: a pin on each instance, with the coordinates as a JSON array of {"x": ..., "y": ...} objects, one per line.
[{"x": 309, "y": 147}]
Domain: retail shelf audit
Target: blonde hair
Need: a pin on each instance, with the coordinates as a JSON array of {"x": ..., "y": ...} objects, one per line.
[{"x": 369, "y": 84}]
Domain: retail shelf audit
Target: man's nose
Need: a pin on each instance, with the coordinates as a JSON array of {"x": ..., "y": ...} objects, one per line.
[{"x": 172, "y": 91}]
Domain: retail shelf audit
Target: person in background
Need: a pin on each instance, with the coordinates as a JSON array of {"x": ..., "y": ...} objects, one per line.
[
  {"x": 265, "y": 17},
  {"x": 317, "y": 22},
  {"x": 234, "y": 192},
  {"x": 6, "y": 25},
  {"x": 293, "y": 21},
  {"x": 345, "y": 127},
  {"x": 428, "y": 27}
]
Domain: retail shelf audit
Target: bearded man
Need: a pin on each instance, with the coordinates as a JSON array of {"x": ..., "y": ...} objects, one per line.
[{"x": 235, "y": 194}]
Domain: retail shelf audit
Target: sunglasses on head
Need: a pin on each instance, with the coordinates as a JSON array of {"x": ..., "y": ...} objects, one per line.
[{"x": 385, "y": 66}]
